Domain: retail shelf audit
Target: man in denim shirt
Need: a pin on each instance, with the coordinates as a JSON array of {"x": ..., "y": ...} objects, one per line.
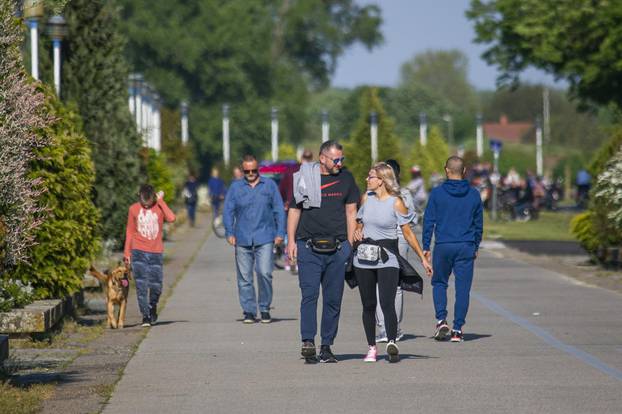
[{"x": 254, "y": 220}]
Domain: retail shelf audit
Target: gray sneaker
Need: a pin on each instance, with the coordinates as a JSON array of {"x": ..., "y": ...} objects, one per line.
[{"x": 381, "y": 337}]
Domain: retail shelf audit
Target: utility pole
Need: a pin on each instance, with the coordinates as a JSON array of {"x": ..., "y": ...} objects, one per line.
[
  {"x": 479, "y": 137},
  {"x": 546, "y": 115},
  {"x": 539, "y": 160},
  {"x": 374, "y": 136},
  {"x": 184, "y": 122},
  {"x": 325, "y": 126}
]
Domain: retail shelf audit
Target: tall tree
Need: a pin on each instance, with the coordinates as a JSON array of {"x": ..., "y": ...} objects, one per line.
[
  {"x": 358, "y": 148},
  {"x": 95, "y": 74},
  {"x": 575, "y": 41},
  {"x": 252, "y": 55}
]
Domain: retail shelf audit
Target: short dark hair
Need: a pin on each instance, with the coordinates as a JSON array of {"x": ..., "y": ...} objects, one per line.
[
  {"x": 249, "y": 158},
  {"x": 455, "y": 165},
  {"x": 395, "y": 166},
  {"x": 330, "y": 144},
  {"x": 146, "y": 193}
]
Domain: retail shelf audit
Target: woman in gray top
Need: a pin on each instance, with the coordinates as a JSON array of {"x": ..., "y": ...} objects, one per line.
[{"x": 382, "y": 212}]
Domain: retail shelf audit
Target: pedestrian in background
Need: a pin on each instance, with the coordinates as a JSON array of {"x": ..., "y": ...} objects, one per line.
[
  {"x": 454, "y": 216},
  {"x": 190, "y": 196},
  {"x": 320, "y": 226},
  {"x": 254, "y": 220},
  {"x": 377, "y": 259},
  {"x": 144, "y": 247},
  {"x": 217, "y": 191},
  {"x": 237, "y": 173}
]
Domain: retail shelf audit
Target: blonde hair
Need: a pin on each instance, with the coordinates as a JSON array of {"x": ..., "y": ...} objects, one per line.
[{"x": 387, "y": 175}]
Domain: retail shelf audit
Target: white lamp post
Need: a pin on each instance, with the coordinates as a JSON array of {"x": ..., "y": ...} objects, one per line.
[
  {"x": 479, "y": 137},
  {"x": 184, "y": 122},
  {"x": 156, "y": 131},
  {"x": 373, "y": 131},
  {"x": 423, "y": 129},
  {"x": 57, "y": 29},
  {"x": 539, "y": 160},
  {"x": 450, "y": 128},
  {"x": 325, "y": 126},
  {"x": 226, "y": 154},
  {"x": 33, "y": 11},
  {"x": 275, "y": 134}
]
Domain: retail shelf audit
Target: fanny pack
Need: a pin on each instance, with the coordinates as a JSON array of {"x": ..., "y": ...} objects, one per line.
[
  {"x": 324, "y": 244},
  {"x": 368, "y": 252}
]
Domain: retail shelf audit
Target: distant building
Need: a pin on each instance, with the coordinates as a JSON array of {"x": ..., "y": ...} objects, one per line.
[{"x": 508, "y": 131}]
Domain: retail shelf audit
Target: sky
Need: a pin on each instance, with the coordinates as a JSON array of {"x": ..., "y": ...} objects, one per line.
[{"x": 414, "y": 26}]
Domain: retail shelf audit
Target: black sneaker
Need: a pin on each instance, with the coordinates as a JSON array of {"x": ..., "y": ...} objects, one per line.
[
  {"x": 265, "y": 317},
  {"x": 146, "y": 322},
  {"x": 442, "y": 331},
  {"x": 393, "y": 352},
  {"x": 308, "y": 352},
  {"x": 154, "y": 314},
  {"x": 248, "y": 318},
  {"x": 456, "y": 336},
  {"x": 326, "y": 355}
]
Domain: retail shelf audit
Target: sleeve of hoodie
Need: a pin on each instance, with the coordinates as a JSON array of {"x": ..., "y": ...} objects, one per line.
[
  {"x": 478, "y": 221},
  {"x": 429, "y": 222}
]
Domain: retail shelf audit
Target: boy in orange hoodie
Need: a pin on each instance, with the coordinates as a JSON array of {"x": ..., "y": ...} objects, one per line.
[{"x": 144, "y": 247}]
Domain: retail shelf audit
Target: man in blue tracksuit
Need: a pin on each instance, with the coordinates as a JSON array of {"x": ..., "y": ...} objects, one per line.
[{"x": 454, "y": 215}]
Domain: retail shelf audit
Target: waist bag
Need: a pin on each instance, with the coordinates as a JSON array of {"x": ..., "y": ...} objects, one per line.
[
  {"x": 368, "y": 252},
  {"x": 324, "y": 244}
]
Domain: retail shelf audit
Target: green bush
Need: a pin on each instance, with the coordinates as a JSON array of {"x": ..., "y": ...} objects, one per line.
[
  {"x": 431, "y": 158},
  {"x": 66, "y": 242},
  {"x": 582, "y": 228},
  {"x": 15, "y": 294},
  {"x": 605, "y": 153},
  {"x": 159, "y": 174}
]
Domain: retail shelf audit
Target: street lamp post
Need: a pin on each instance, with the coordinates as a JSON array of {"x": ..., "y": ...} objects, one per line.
[
  {"x": 450, "y": 128},
  {"x": 146, "y": 115},
  {"x": 275, "y": 134},
  {"x": 184, "y": 122},
  {"x": 138, "y": 100},
  {"x": 225, "y": 135},
  {"x": 156, "y": 129},
  {"x": 374, "y": 136},
  {"x": 423, "y": 128},
  {"x": 57, "y": 29},
  {"x": 539, "y": 160},
  {"x": 325, "y": 126},
  {"x": 479, "y": 137},
  {"x": 33, "y": 11}
]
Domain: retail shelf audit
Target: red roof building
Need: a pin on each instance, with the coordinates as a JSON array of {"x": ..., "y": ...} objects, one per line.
[{"x": 507, "y": 131}]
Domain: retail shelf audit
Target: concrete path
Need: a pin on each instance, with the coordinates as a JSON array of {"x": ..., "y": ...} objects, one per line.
[{"x": 536, "y": 342}]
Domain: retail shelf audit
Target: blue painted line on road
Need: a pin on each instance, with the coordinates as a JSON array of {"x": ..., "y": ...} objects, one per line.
[{"x": 548, "y": 338}]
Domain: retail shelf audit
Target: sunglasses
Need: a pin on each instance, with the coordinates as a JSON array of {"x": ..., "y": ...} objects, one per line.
[
  {"x": 338, "y": 160},
  {"x": 249, "y": 172}
]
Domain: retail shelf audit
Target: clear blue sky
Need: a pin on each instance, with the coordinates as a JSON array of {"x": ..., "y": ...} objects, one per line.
[{"x": 413, "y": 26}]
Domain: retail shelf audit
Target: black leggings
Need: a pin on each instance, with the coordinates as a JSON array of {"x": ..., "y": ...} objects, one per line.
[{"x": 387, "y": 279}]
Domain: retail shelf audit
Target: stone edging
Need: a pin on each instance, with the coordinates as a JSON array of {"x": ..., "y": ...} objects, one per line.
[{"x": 37, "y": 317}]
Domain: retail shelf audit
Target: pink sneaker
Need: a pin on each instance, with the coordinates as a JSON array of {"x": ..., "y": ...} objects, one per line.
[{"x": 372, "y": 353}]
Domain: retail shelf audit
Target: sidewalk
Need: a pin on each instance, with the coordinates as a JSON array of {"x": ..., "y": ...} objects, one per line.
[
  {"x": 534, "y": 342},
  {"x": 85, "y": 385}
]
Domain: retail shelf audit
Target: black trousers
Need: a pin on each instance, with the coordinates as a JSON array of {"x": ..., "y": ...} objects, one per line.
[{"x": 387, "y": 279}]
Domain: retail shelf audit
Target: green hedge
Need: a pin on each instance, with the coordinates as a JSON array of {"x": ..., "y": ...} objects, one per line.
[
  {"x": 66, "y": 241},
  {"x": 159, "y": 174}
]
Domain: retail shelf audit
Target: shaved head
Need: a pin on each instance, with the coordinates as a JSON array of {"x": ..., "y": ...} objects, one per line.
[{"x": 454, "y": 166}]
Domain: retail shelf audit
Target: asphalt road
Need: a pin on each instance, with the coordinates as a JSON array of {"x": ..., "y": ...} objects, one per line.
[{"x": 535, "y": 342}]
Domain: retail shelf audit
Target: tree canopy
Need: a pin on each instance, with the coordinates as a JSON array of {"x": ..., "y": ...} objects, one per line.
[{"x": 576, "y": 41}]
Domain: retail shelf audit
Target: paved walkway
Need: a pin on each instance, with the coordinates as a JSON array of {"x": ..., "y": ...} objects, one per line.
[{"x": 535, "y": 342}]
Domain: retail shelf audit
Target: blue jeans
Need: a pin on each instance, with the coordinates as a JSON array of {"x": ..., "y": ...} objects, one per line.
[
  {"x": 458, "y": 257},
  {"x": 147, "y": 272},
  {"x": 191, "y": 208},
  {"x": 261, "y": 257},
  {"x": 328, "y": 271}
]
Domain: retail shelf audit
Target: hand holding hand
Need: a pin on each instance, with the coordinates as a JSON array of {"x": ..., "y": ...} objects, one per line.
[
  {"x": 231, "y": 240},
  {"x": 428, "y": 255},
  {"x": 358, "y": 234}
]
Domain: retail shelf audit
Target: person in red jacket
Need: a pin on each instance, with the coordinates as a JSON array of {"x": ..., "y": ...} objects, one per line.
[{"x": 144, "y": 247}]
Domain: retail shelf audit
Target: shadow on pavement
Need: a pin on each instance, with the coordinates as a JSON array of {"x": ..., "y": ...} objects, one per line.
[
  {"x": 410, "y": 337},
  {"x": 274, "y": 320},
  {"x": 474, "y": 336},
  {"x": 381, "y": 356}
]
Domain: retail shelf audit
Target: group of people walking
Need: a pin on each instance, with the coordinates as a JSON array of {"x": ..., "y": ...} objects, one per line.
[{"x": 332, "y": 230}]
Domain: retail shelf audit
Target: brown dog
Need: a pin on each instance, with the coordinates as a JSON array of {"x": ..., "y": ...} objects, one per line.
[{"x": 117, "y": 285}]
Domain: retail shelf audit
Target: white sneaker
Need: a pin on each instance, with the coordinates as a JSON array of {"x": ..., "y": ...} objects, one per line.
[
  {"x": 399, "y": 336},
  {"x": 393, "y": 352},
  {"x": 372, "y": 354},
  {"x": 382, "y": 337}
]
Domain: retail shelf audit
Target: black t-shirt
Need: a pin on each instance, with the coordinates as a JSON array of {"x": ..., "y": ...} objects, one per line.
[{"x": 330, "y": 219}]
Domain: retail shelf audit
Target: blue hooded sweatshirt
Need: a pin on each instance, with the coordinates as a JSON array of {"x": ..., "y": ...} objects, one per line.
[{"x": 454, "y": 214}]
